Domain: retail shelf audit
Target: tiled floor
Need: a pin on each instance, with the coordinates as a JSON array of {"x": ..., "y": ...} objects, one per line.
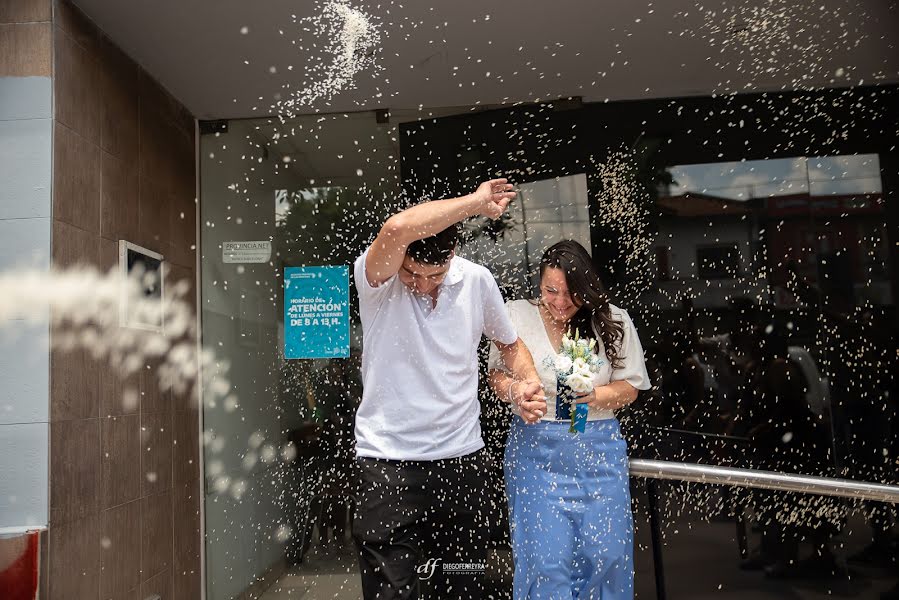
[
  {"x": 329, "y": 573},
  {"x": 701, "y": 561},
  {"x": 334, "y": 574}
]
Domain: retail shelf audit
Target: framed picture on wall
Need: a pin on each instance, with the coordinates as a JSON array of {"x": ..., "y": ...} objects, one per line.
[{"x": 141, "y": 310}]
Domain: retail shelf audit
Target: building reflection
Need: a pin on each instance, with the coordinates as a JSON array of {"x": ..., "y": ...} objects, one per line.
[{"x": 772, "y": 346}]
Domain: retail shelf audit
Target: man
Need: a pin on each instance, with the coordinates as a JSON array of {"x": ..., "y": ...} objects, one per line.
[{"x": 421, "y": 514}]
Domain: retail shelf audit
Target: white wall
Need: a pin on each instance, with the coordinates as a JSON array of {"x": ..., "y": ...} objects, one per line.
[{"x": 25, "y": 213}]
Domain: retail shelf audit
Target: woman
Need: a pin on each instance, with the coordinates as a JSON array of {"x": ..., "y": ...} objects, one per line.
[{"x": 569, "y": 501}]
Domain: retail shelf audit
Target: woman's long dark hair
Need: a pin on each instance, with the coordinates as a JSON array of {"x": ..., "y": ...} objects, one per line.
[{"x": 586, "y": 288}]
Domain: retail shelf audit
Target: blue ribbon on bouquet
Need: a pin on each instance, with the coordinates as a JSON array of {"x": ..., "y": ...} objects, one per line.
[{"x": 565, "y": 401}]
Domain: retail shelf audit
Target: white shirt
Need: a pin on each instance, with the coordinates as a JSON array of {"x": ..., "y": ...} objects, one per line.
[
  {"x": 526, "y": 319},
  {"x": 420, "y": 364}
]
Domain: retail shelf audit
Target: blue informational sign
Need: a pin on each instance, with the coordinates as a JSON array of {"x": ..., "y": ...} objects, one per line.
[{"x": 317, "y": 312}]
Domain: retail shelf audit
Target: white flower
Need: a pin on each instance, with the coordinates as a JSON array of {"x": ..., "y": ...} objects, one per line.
[
  {"x": 580, "y": 382},
  {"x": 583, "y": 343},
  {"x": 563, "y": 363},
  {"x": 567, "y": 344},
  {"x": 586, "y": 372},
  {"x": 580, "y": 365}
]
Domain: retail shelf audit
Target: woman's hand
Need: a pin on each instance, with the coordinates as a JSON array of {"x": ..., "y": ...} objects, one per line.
[
  {"x": 590, "y": 398},
  {"x": 609, "y": 397}
]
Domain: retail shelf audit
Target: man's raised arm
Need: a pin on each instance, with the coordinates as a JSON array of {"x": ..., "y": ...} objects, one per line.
[{"x": 430, "y": 218}]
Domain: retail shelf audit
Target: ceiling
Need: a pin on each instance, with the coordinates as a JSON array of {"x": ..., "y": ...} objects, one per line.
[{"x": 233, "y": 58}]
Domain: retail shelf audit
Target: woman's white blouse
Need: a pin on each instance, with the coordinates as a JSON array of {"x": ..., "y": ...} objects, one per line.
[{"x": 526, "y": 318}]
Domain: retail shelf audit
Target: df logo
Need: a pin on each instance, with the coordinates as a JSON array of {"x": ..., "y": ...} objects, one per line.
[{"x": 426, "y": 571}]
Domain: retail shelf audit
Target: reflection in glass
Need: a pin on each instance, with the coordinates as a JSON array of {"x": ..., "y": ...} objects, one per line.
[
  {"x": 768, "y": 328},
  {"x": 544, "y": 212}
]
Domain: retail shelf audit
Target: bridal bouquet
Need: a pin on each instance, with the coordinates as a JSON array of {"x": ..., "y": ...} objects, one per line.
[{"x": 576, "y": 365}]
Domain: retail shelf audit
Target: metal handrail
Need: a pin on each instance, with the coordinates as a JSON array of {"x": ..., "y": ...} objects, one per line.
[{"x": 768, "y": 480}]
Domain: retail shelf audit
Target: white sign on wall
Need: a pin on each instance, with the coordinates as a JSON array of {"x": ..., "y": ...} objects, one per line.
[{"x": 246, "y": 252}]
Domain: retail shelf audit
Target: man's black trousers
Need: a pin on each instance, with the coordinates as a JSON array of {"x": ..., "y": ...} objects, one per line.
[{"x": 421, "y": 528}]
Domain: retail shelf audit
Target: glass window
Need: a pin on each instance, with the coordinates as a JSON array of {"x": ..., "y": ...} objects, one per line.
[
  {"x": 718, "y": 262},
  {"x": 544, "y": 212},
  {"x": 279, "y": 451}
]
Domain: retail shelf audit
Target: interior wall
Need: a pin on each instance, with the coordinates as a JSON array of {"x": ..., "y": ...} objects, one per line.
[{"x": 124, "y": 477}]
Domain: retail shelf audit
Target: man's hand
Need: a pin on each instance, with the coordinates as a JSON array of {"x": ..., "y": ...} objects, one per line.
[
  {"x": 528, "y": 396},
  {"x": 493, "y": 197}
]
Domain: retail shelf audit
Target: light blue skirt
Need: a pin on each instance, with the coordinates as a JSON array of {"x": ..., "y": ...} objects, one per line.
[{"x": 570, "y": 512}]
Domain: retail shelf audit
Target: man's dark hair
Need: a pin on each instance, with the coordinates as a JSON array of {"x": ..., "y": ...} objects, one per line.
[{"x": 435, "y": 250}]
